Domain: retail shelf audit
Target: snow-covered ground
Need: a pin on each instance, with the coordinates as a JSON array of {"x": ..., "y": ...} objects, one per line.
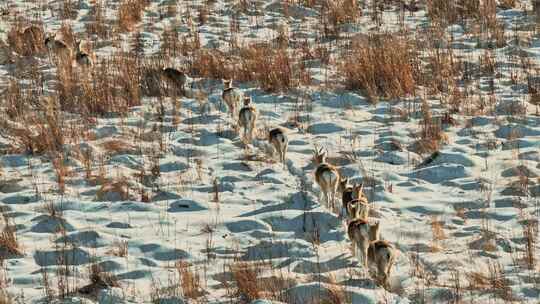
[{"x": 457, "y": 222}]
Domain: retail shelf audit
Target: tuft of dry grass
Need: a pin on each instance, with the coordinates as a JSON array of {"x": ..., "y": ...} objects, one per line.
[
  {"x": 9, "y": 245},
  {"x": 444, "y": 12},
  {"x": 130, "y": 13},
  {"x": 114, "y": 189},
  {"x": 190, "y": 281},
  {"x": 97, "y": 24},
  {"x": 381, "y": 66},
  {"x": 336, "y": 13},
  {"x": 437, "y": 231},
  {"x": 99, "y": 279},
  {"x": 431, "y": 136},
  {"x": 530, "y": 232},
  {"x": 245, "y": 276},
  {"x": 493, "y": 280},
  {"x": 27, "y": 40},
  {"x": 116, "y": 146},
  {"x": 119, "y": 249},
  {"x": 336, "y": 292}
]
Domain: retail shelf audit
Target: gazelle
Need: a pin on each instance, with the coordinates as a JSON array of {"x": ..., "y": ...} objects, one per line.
[
  {"x": 83, "y": 57},
  {"x": 383, "y": 255},
  {"x": 365, "y": 237},
  {"x": 247, "y": 118},
  {"x": 176, "y": 77},
  {"x": 231, "y": 96},
  {"x": 361, "y": 234},
  {"x": 60, "y": 49},
  {"x": 358, "y": 207},
  {"x": 326, "y": 176},
  {"x": 279, "y": 140}
]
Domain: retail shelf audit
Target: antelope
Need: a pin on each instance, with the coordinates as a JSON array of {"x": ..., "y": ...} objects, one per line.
[
  {"x": 382, "y": 254},
  {"x": 83, "y": 57},
  {"x": 177, "y": 78},
  {"x": 60, "y": 49},
  {"x": 231, "y": 96},
  {"x": 247, "y": 118},
  {"x": 358, "y": 207},
  {"x": 326, "y": 176},
  {"x": 361, "y": 234},
  {"x": 279, "y": 140}
]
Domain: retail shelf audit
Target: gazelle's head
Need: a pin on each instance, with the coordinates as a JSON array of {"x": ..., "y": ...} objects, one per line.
[
  {"x": 359, "y": 191},
  {"x": 49, "y": 41},
  {"x": 319, "y": 156},
  {"x": 343, "y": 183}
]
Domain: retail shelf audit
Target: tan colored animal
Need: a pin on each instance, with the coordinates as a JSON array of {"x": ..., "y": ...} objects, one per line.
[
  {"x": 83, "y": 56},
  {"x": 327, "y": 177},
  {"x": 358, "y": 207},
  {"x": 231, "y": 96},
  {"x": 279, "y": 140},
  {"x": 382, "y": 254},
  {"x": 175, "y": 77},
  {"x": 59, "y": 48},
  {"x": 361, "y": 234},
  {"x": 247, "y": 118}
]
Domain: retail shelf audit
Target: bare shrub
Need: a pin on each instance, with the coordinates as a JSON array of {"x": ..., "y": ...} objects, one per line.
[
  {"x": 211, "y": 64},
  {"x": 9, "y": 245},
  {"x": 382, "y": 66},
  {"x": 190, "y": 281},
  {"x": 337, "y": 13},
  {"x": 119, "y": 249},
  {"x": 275, "y": 70},
  {"x": 99, "y": 279},
  {"x": 449, "y": 12},
  {"x": 97, "y": 22},
  {"x": 431, "y": 135},
  {"x": 493, "y": 280},
  {"x": 245, "y": 275},
  {"x": 27, "y": 40},
  {"x": 130, "y": 13}
]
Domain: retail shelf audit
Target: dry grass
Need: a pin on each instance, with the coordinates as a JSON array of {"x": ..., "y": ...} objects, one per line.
[
  {"x": 431, "y": 136},
  {"x": 114, "y": 190},
  {"x": 5, "y": 298},
  {"x": 119, "y": 249},
  {"x": 246, "y": 278},
  {"x": 35, "y": 134},
  {"x": 115, "y": 146},
  {"x": 274, "y": 70},
  {"x": 130, "y": 13},
  {"x": 190, "y": 281},
  {"x": 530, "y": 233},
  {"x": 97, "y": 24},
  {"x": 99, "y": 279},
  {"x": 9, "y": 245},
  {"x": 492, "y": 280},
  {"x": 337, "y": 13},
  {"x": 450, "y": 12},
  {"x": 437, "y": 231},
  {"x": 336, "y": 292},
  {"x": 381, "y": 66},
  {"x": 27, "y": 40}
]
